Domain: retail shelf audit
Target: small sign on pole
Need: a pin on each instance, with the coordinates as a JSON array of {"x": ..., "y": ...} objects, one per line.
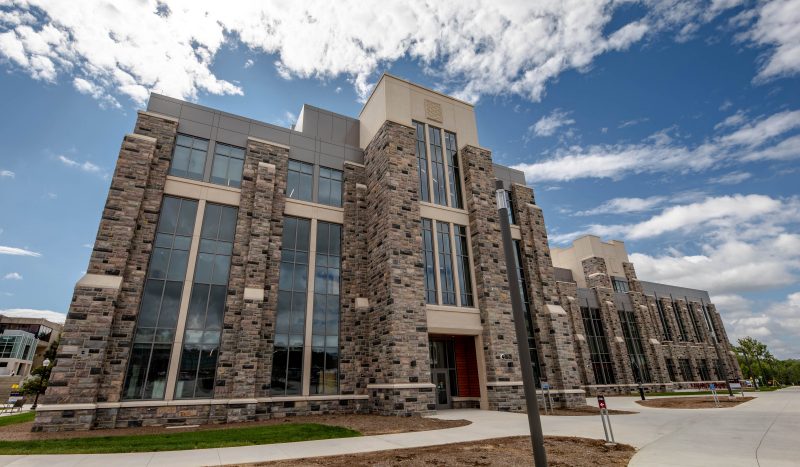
[
  {"x": 601, "y": 402},
  {"x": 547, "y": 398},
  {"x": 735, "y": 384}
]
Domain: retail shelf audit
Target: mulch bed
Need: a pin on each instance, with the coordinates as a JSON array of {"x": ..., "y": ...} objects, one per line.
[
  {"x": 697, "y": 402},
  {"x": 516, "y": 451},
  {"x": 584, "y": 411},
  {"x": 366, "y": 424}
]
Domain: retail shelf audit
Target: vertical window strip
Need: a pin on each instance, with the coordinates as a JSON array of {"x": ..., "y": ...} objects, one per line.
[
  {"x": 189, "y": 157},
  {"x": 299, "y": 180},
  {"x": 464, "y": 271},
  {"x": 228, "y": 164},
  {"x": 633, "y": 342},
  {"x": 676, "y": 309},
  {"x": 686, "y": 369},
  {"x": 693, "y": 317},
  {"x": 598, "y": 346},
  {"x": 445, "y": 264},
  {"x": 663, "y": 318},
  {"x": 712, "y": 330},
  {"x": 422, "y": 162},
  {"x": 203, "y": 330},
  {"x": 148, "y": 366},
  {"x": 437, "y": 166},
  {"x": 532, "y": 347},
  {"x": 512, "y": 212},
  {"x": 329, "y": 189},
  {"x": 702, "y": 367},
  {"x": 454, "y": 171},
  {"x": 428, "y": 261},
  {"x": 325, "y": 324},
  {"x": 287, "y": 358},
  {"x": 670, "y": 369}
]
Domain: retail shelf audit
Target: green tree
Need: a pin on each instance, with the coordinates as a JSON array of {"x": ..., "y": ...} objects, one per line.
[{"x": 36, "y": 384}]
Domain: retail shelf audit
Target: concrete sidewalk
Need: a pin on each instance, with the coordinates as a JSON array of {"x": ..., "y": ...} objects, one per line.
[{"x": 764, "y": 430}]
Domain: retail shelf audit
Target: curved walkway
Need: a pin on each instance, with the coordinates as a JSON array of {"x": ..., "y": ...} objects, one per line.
[{"x": 764, "y": 430}]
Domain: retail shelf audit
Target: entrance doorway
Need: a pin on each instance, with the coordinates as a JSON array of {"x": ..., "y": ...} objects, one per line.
[{"x": 443, "y": 370}]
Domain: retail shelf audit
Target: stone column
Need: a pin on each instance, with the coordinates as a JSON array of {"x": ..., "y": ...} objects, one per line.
[
  {"x": 568, "y": 294},
  {"x": 503, "y": 376},
  {"x": 99, "y": 327},
  {"x": 551, "y": 323},
  {"x": 354, "y": 338},
  {"x": 400, "y": 377},
  {"x": 596, "y": 272},
  {"x": 650, "y": 339}
]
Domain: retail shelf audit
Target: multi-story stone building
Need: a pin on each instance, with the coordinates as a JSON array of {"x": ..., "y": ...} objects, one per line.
[
  {"x": 630, "y": 332},
  {"x": 244, "y": 271}
]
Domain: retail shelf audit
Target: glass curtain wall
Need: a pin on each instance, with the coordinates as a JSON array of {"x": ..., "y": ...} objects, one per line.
[{"x": 325, "y": 325}]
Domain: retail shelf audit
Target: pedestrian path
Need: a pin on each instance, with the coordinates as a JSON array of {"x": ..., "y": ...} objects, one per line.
[{"x": 764, "y": 430}]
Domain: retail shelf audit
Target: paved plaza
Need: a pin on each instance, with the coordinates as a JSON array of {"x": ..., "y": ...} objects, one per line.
[{"x": 762, "y": 432}]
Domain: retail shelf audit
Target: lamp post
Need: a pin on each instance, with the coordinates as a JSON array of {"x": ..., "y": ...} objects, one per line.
[
  {"x": 534, "y": 421},
  {"x": 46, "y": 365}
]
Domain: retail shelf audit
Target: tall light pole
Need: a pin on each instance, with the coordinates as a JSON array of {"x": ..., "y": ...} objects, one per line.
[{"x": 534, "y": 422}]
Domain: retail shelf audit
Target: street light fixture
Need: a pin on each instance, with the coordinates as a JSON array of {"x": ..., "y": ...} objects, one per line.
[
  {"x": 534, "y": 421},
  {"x": 46, "y": 365}
]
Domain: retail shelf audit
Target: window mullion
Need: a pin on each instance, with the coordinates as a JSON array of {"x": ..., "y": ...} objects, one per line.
[
  {"x": 437, "y": 271},
  {"x": 309, "y": 320},
  {"x": 454, "y": 260}
]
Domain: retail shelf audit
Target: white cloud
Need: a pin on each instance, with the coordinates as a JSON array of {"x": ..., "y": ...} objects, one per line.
[
  {"x": 477, "y": 47},
  {"x": 633, "y": 122},
  {"x": 734, "y": 120},
  {"x": 775, "y": 323},
  {"x": 6, "y": 174},
  {"x": 54, "y": 316},
  {"x": 85, "y": 166},
  {"x": 754, "y": 140},
  {"x": 547, "y": 125},
  {"x": 249, "y": 63},
  {"x": 777, "y": 28},
  {"x": 13, "y": 276},
  {"x": 288, "y": 119},
  {"x": 634, "y": 205},
  {"x": 731, "y": 178},
  {"x": 10, "y": 250}
]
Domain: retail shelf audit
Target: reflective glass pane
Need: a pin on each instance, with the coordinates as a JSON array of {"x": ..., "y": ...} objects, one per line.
[
  {"x": 197, "y": 306},
  {"x": 159, "y": 262},
  {"x": 177, "y": 265},
  {"x": 170, "y": 305},
  {"x": 227, "y": 227},
  {"x": 219, "y": 170},
  {"x": 211, "y": 221},
  {"x": 168, "y": 219},
  {"x": 216, "y": 307}
]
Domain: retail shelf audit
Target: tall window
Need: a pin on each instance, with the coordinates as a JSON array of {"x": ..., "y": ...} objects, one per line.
[
  {"x": 720, "y": 370},
  {"x": 299, "y": 180},
  {"x": 158, "y": 312},
  {"x": 663, "y": 318},
  {"x": 681, "y": 327},
  {"x": 686, "y": 369},
  {"x": 422, "y": 161},
  {"x": 228, "y": 163},
  {"x": 462, "y": 258},
  {"x": 287, "y": 357},
  {"x": 712, "y": 330},
  {"x": 512, "y": 212},
  {"x": 693, "y": 318},
  {"x": 451, "y": 148},
  {"x": 446, "y": 264},
  {"x": 428, "y": 261},
  {"x": 189, "y": 157},
  {"x": 620, "y": 285},
  {"x": 702, "y": 367},
  {"x": 671, "y": 369},
  {"x": 330, "y": 187},
  {"x": 532, "y": 349},
  {"x": 437, "y": 166},
  {"x": 633, "y": 341},
  {"x": 598, "y": 346},
  {"x": 201, "y": 340},
  {"x": 325, "y": 324}
]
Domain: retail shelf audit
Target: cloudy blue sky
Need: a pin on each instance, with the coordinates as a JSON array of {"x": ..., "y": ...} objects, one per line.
[{"x": 672, "y": 125}]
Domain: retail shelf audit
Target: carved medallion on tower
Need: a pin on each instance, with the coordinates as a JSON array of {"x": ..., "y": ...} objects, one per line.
[{"x": 433, "y": 111}]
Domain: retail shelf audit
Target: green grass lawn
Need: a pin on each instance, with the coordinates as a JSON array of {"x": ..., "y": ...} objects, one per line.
[
  {"x": 203, "y": 439},
  {"x": 18, "y": 418}
]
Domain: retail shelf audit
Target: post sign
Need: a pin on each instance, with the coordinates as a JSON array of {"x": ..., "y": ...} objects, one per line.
[
  {"x": 735, "y": 385},
  {"x": 601, "y": 402},
  {"x": 712, "y": 386},
  {"x": 545, "y": 385}
]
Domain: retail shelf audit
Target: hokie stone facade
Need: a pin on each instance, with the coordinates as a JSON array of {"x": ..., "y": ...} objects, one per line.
[{"x": 407, "y": 344}]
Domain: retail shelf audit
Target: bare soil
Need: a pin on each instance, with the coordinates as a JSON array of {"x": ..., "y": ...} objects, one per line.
[
  {"x": 561, "y": 451},
  {"x": 697, "y": 402},
  {"x": 365, "y": 424}
]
